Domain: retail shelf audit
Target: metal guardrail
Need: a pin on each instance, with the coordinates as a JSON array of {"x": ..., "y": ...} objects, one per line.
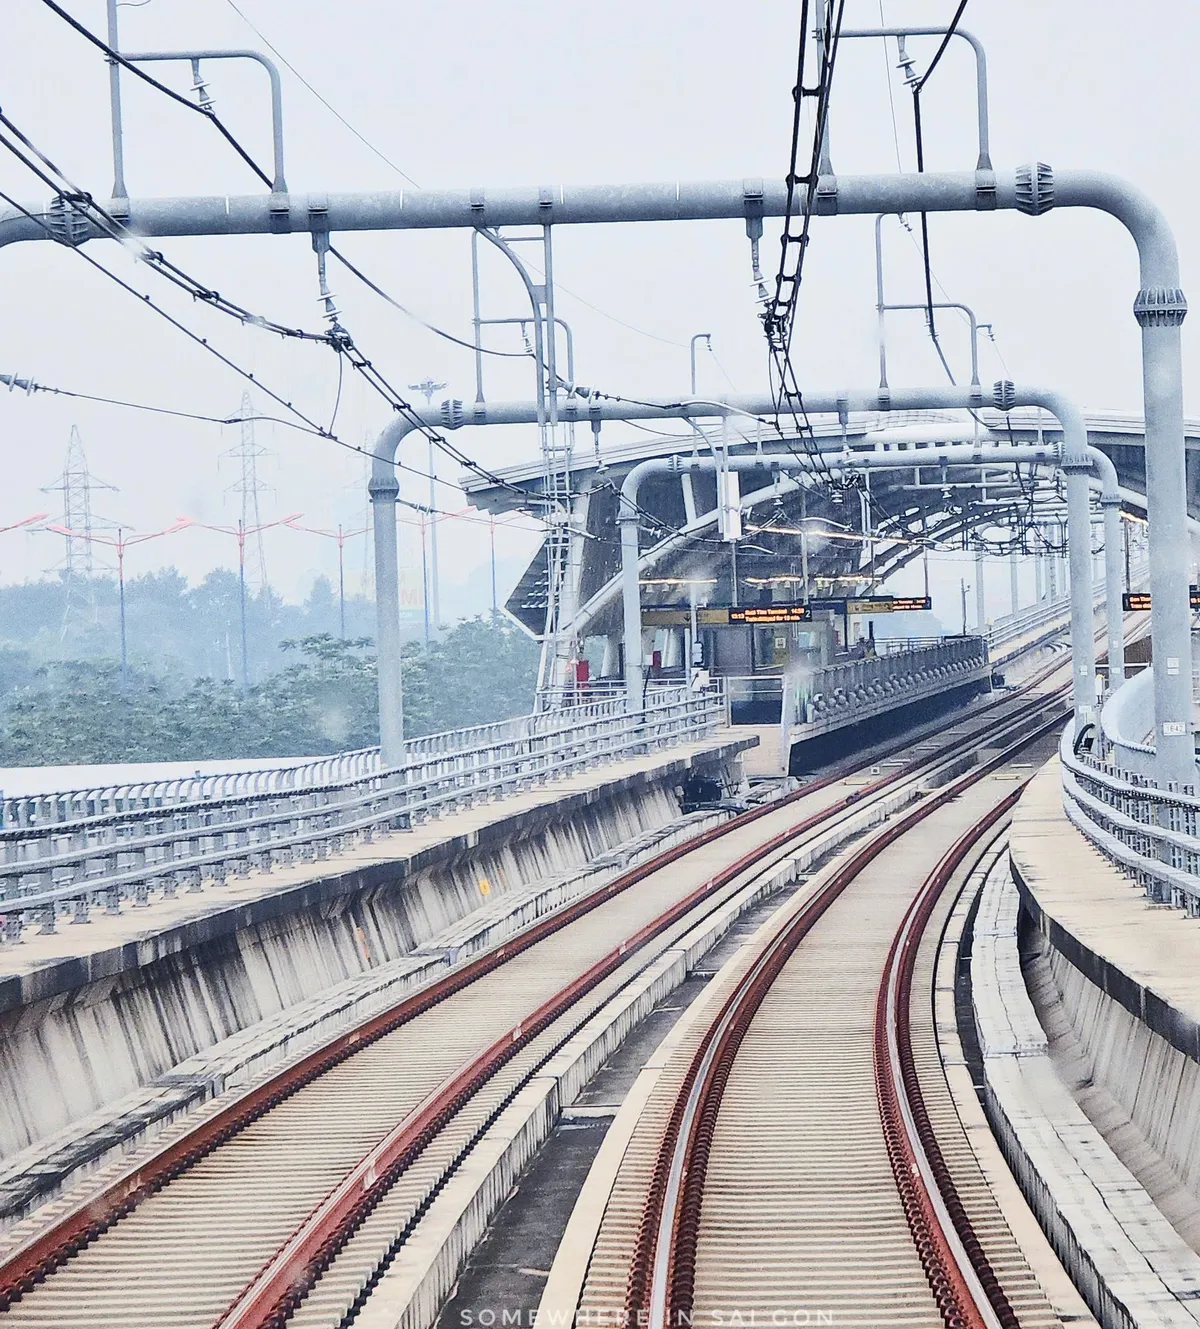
[
  {"x": 875, "y": 683},
  {"x": 22, "y": 810},
  {"x": 1050, "y": 614},
  {"x": 54, "y": 870},
  {"x": 30, "y": 810},
  {"x": 901, "y": 645},
  {"x": 1151, "y": 834},
  {"x": 856, "y": 687}
]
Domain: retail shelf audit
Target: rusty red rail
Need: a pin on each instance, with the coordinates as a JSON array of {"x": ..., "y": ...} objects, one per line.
[
  {"x": 959, "y": 1273},
  {"x": 75, "y": 1229},
  {"x": 660, "y": 1287}
]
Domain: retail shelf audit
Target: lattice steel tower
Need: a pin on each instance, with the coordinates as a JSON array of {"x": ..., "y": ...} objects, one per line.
[
  {"x": 248, "y": 487},
  {"x": 78, "y": 564}
]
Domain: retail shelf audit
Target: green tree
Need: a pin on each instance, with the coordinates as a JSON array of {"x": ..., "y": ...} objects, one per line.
[{"x": 323, "y": 700}]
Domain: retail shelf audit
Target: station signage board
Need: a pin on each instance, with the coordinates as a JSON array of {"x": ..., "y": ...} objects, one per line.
[
  {"x": 764, "y": 615},
  {"x": 681, "y": 618},
  {"x": 873, "y": 604},
  {"x": 1138, "y": 602},
  {"x": 768, "y": 615},
  {"x": 889, "y": 604}
]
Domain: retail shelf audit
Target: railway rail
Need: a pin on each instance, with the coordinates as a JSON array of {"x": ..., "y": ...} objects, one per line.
[
  {"x": 789, "y": 1165},
  {"x": 289, "y": 1201}
]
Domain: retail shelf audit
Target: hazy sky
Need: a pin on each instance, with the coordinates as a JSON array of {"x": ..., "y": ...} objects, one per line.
[{"x": 461, "y": 92}]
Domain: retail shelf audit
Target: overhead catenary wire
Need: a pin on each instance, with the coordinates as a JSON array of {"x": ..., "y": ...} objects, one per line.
[
  {"x": 891, "y": 99},
  {"x": 404, "y": 309},
  {"x": 83, "y": 202},
  {"x": 924, "y": 244},
  {"x": 945, "y": 42},
  {"x": 192, "y": 336},
  {"x": 779, "y": 315},
  {"x": 337, "y": 337},
  {"x": 917, "y": 89},
  {"x": 404, "y": 175},
  {"x": 362, "y": 138},
  {"x": 117, "y": 58}
]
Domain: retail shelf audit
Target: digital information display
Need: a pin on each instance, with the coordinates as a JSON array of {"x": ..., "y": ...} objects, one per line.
[
  {"x": 874, "y": 604},
  {"x": 767, "y": 615},
  {"x": 1138, "y": 602},
  {"x": 889, "y": 604}
]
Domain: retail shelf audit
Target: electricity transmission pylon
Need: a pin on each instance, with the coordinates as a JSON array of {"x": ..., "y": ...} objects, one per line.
[
  {"x": 77, "y": 565},
  {"x": 249, "y": 487}
]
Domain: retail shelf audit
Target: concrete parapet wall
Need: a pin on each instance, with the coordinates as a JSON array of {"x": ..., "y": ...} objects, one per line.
[
  {"x": 1143, "y": 955},
  {"x": 97, "y": 1049},
  {"x": 1091, "y": 1058},
  {"x": 1131, "y": 1266},
  {"x": 1156, "y": 1085}
]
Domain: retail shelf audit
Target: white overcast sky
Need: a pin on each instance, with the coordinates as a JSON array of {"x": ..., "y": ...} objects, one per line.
[{"x": 461, "y": 92}]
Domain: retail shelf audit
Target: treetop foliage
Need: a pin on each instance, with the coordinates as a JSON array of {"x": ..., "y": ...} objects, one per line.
[{"x": 323, "y": 700}]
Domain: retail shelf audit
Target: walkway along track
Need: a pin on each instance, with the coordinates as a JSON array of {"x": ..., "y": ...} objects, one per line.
[
  {"x": 763, "y": 1190},
  {"x": 237, "y": 1218}
]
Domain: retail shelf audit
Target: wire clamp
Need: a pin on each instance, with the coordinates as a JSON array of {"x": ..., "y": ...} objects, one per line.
[
  {"x": 985, "y": 191},
  {"x": 279, "y": 212},
  {"x": 752, "y": 199}
]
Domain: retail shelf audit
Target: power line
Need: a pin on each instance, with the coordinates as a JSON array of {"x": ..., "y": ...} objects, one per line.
[
  {"x": 338, "y": 338},
  {"x": 778, "y": 317},
  {"x": 916, "y": 92},
  {"x": 195, "y": 337},
  {"x": 941, "y": 50},
  {"x": 366, "y": 142},
  {"x": 117, "y": 58},
  {"x": 891, "y": 99},
  {"x": 391, "y": 300},
  {"x": 82, "y": 202},
  {"x": 31, "y": 387},
  {"x": 28, "y": 385},
  {"x": 612, "y": 318},
  {"x": 720, "y": 366},
  {"x": 262, "y": 175},
  {"x": 213, "y": 297}
]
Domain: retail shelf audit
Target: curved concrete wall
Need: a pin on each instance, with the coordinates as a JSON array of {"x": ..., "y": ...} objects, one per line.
[{"x": 1156, "y": 1088}]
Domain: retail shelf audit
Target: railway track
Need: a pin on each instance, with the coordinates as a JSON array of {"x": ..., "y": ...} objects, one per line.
[
  {"x": 800, "y": 1161},
  {"x": 291, "y": 1201}
]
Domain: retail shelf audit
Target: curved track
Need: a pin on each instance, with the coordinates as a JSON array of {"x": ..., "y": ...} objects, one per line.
[
  {"x": 788, "y": 1171},
  {"x": 290, "y": 1200}
]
